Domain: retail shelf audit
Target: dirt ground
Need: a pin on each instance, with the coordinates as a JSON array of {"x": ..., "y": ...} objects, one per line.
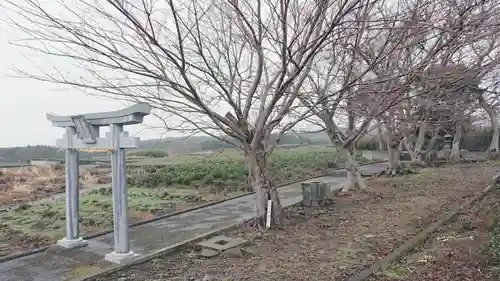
[
  {"x": 335, "y": 241},
  {"x": 464, "y": 249}
]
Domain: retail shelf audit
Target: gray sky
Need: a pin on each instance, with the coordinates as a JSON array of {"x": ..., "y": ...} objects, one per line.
[{"x": 24, "y": 102}]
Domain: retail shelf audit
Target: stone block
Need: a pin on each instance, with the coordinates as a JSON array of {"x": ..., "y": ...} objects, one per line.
[
  {"x": 207, "y": 253},
  {"x": 314, "y": 193},
  {"x": 444, "y": 154},
  {"x": 404, "y": 156},
  {"x": 234, "y": 252},
  {"x": 222, "y": 243}
]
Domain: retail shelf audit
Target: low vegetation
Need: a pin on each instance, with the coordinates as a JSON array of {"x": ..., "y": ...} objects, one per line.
[
  {"x": 231, "y": 172},
  {"x": 175, "y": 185},
  {"x": 96, "y": 210}
]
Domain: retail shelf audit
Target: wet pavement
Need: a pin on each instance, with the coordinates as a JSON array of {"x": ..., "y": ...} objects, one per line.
[{"x": 57, "y": 263}]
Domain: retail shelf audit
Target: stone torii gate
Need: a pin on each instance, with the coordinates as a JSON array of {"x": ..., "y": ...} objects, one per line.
[{"x": 82, "y": 134}]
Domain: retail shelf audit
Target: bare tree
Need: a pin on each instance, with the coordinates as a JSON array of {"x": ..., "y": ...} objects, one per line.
[
  {"x": 217, "y": 66},
  {"x": 452, "y": 27},
  {"x": 449, "y": 99},
  {"x": 347, "y": 86},
  {"x": 485, "y": 56},
  {"x": 452, "y": 86},
  {"x": 489, "y": 101}
]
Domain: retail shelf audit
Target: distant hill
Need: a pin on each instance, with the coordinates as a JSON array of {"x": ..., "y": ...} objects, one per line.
[
  {"x": 25, "y": 153},
  {"x": 199, "y": 143},
  {"x": 171, "y": 145}
]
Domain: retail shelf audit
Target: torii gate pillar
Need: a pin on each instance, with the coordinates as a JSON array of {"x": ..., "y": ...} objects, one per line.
[{"x": 82, "y": 132}]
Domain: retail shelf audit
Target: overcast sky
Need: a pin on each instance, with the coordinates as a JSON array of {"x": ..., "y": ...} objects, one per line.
[{"x": 24, "y": 102}]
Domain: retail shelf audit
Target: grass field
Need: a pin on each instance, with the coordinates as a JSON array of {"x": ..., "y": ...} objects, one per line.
[{"x": 170, "y": 184}]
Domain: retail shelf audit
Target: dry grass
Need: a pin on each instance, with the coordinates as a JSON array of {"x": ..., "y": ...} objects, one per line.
[
  {"x": 17, "y": 183},
  {"x": 459, "y": 250},
  {"x": 23, "y": 184}
]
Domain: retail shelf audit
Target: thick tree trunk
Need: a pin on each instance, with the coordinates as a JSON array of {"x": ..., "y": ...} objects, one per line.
[
  {"x": 408, "y": 144},
  {"x": 380, "y": 136},
  {"x": 354, "y": 177},
  {"x": 495, "y": 136},
  {"x": 264, "y": 189},
  {"x": 493, "y": 148},
  {"x": 430, "y": 153},
  {"x": 394, "y": 162},
  {"x": 393, "y": 147},
  {"x": 455, "y": 148},
  {"x": 416, "y": 153}
]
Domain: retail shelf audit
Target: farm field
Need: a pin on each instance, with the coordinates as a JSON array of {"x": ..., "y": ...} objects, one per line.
[
  {"x": 23, "y": 184},
  {"x": 162, "y": 189}
]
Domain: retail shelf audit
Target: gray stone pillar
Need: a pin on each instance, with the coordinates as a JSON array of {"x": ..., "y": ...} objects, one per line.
[
  {"x": 72, "y": 239},
  {"x": 122, "y": 253},
  {"x": 82, "y": 132}
]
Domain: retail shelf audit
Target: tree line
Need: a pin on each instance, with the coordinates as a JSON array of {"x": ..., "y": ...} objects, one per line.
[{"x": 245, "y": 70}]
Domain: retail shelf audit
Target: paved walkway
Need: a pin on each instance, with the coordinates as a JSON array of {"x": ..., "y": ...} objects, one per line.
[{"x": 57, "y": 264}]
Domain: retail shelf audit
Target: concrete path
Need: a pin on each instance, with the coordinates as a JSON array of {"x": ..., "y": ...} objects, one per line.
[
  {"x": 57, "y": 264},
  {"x": 475, "y": 155}
]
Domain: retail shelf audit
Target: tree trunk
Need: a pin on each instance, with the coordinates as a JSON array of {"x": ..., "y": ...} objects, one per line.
[
  {"x": 264, "y": 189},
  {"x": 408, "y": 145},
  {"x": 430, "y": 153},
  {"x": 455, "y": 149},
  {"x": 493, "y": 148},
  {"x": 394, "y": 162},
  {"x": 416, "y": 153},
  {"x": 380, "y": 136},
  {"x": 495, "y": 137},
  {"x": 354, "y": 177},
  {"x": 393, "y": 147}
]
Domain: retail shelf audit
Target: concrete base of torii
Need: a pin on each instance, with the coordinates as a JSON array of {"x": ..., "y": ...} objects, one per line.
[
  {"x": 72, "y": 243},
  {"x": 121, "y": 258}
]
